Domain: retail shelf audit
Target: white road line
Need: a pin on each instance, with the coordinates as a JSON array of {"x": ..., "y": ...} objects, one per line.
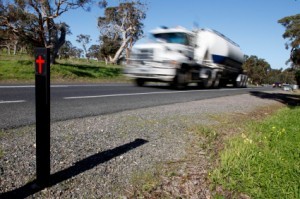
[
  {"x": 23, "y": 86},
  {"x": 14, "y": 101},
  {"x": 56, "y": 85},
  {"x": 135, "y": 94}
]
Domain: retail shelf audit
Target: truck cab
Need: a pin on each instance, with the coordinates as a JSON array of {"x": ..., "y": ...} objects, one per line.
[{"x": 161, "y": 58}]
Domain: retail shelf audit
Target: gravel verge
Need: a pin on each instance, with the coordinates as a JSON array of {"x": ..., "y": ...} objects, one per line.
[{"x": 96, "y": 157}]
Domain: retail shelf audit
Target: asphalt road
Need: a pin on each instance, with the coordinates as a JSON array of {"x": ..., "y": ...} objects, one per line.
[{"x": 17, "y": 102}]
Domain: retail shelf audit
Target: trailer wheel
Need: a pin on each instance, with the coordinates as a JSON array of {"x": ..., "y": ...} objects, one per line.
[{"x": 140, "y": 82}]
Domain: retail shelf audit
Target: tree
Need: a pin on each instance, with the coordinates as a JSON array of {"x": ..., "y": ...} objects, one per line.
[
  {"x": 109, "y": 47},
  {"x": 8, "y": 41},
  {"x": 288, "y": 76},
  {"x": 125, "y": 22},
  {"x": 33, "y": 20},
  {"x": 274, "y": 76},
  {"x": 65, "y": 50},
  {"x": 84, "y": 40},
  {"x": 292, "y": 33},
  {"x": 257, "y": 69},
  {"x": 76, "y": 52},
  {"x": 295, "y": 57},
  {"x": 94, "y": 51},
  {"x": 69, "y": 51}
]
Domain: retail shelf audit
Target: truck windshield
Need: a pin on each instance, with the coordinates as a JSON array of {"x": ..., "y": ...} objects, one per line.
[{"x": 178, "y": 38}]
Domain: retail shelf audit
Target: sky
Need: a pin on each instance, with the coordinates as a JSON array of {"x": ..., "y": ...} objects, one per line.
[{"x": 253, "y": 24}]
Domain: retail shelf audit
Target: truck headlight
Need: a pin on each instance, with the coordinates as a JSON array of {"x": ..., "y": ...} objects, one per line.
[{"x": 171, "y": 63}]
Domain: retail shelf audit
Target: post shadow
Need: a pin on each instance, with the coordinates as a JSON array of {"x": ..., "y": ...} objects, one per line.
[
  {"x": 289, "y": 99},
  {"x": 79, "y": 167}
]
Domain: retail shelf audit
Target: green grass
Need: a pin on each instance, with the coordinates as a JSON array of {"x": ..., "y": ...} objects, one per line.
[
  {"x": 264, "y": 161},
  {"x": 16, "y": 70},
  {"x": 20, "y": 68},
  {"x": 84, "y": 71}
]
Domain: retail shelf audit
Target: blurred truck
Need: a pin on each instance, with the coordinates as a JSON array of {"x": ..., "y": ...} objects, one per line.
[{"x": 179, "y": 56}]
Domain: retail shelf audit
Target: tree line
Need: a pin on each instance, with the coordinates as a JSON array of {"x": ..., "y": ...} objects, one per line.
[
  {"x": 260, "y": 72},
  {"x": 32, "y": 23}
]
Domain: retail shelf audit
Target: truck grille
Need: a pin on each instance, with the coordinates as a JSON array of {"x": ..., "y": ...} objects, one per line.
[{"x": 144, "y": 54}]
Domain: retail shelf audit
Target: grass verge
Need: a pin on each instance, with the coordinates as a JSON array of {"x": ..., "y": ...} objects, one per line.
[
  {"x": 242, "y": 155},
  {"x": 263, "y": 161},
  {"x": 18, "y": 69}
]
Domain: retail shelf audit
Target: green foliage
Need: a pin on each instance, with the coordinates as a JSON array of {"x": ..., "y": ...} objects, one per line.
[
  {"x": 292, "y": 29},
  {"x": 292, "y": 25},
  {"x": 109, "y": 46},
  {"x": 263, "y": 162}
]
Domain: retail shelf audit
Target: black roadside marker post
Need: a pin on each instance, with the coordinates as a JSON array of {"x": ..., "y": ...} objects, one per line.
[{"x": 42, "y": 105}]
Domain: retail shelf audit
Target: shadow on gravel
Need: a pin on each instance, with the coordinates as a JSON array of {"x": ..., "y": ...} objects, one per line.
[
  {"x": 79, "y": 167},
  {"x": 288, "y": 99}
]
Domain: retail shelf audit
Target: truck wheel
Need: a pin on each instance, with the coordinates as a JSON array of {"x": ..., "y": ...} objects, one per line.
[
  {"x": 179, "y": 81},
  {"x": 240, "y": 84},
  {"x": 205, "y": 83},
  {"x": 216, "y": 83},
  {"x": 208, "y": 82},
  {"x": 223, "y": 83},
  {"x": 140, "y": 82},
  {"x": 237, "y": 84}
]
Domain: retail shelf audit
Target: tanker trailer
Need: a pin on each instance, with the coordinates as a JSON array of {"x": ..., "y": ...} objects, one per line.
[
  {"x": 220, "y": 59},
  {"x": 179, "y": 56}
]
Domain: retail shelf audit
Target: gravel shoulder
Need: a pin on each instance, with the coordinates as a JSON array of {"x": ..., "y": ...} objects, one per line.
[{"x": 99, "y": 157}]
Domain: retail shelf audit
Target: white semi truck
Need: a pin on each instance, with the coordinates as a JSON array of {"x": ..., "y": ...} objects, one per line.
[{"x": 179, "y": 56}]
